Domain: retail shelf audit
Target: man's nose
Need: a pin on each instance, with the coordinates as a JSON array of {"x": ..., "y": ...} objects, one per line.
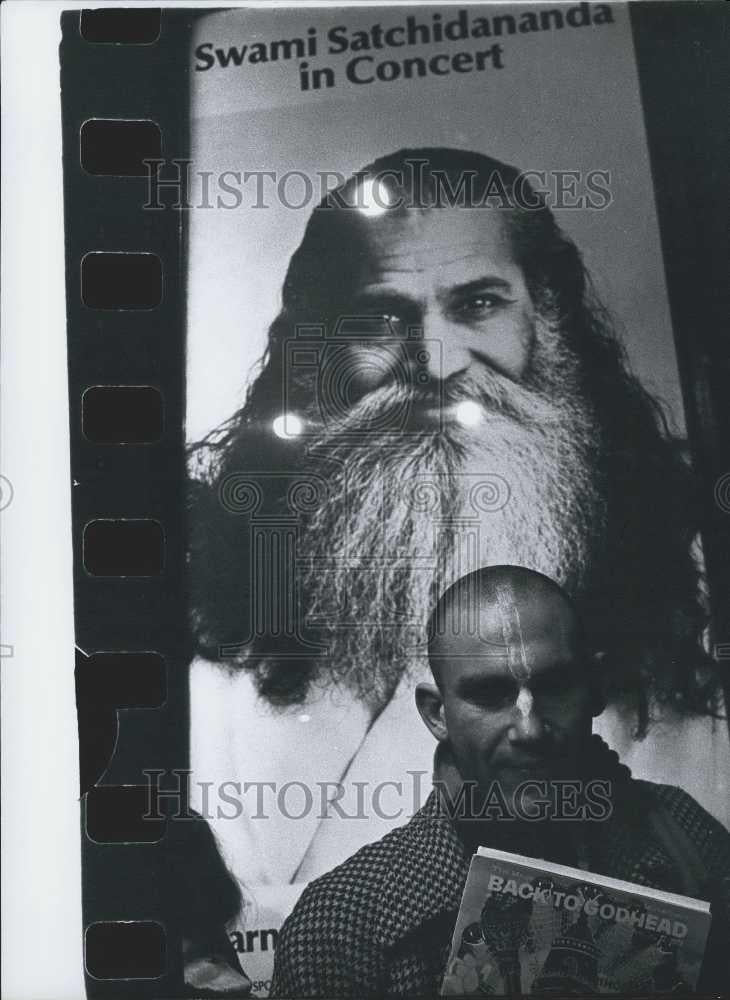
[
  {"x": 527, "y": 725},
  {"x": 450, "y": 348}
]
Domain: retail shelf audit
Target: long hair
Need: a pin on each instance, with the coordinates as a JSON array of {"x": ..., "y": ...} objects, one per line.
[{"x": 643, "y": 603}]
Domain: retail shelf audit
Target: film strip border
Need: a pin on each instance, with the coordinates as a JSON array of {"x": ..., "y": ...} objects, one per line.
[{"x": 124, "y": 77}]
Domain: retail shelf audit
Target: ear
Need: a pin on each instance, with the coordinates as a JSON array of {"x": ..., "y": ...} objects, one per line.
[
  {"x": 430, "y": 705},
  {"x": 599, "y": 682}
]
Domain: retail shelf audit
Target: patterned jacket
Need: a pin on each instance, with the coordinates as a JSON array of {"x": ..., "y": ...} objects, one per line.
[{"x": 381, "y": 923}]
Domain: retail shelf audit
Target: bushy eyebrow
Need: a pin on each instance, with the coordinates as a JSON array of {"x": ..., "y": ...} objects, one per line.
[
  {"x": 386, "y": 300},
  {"x": 400, "y": 300},
  {"x": 479, "y": 284}
]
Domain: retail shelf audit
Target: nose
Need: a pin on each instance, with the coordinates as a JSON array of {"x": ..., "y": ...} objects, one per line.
[
  {"x": 448, "y": 348},
  {"x": 442, "y": 364},
  {"x": 528, "y": 725}
]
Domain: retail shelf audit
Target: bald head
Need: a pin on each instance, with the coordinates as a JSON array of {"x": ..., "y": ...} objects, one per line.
[
  {"x": 503, "y": 613},
  {"x": 516, "y": 690}
]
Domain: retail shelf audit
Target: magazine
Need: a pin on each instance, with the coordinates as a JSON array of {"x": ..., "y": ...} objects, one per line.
[{"x": 528, "y": 926}]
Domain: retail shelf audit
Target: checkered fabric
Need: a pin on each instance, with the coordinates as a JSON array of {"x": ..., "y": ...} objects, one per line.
[{"x": 381, "y": 923}]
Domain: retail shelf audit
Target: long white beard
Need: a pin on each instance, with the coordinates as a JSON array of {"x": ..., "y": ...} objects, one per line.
[{"x": 407, "y": 515}]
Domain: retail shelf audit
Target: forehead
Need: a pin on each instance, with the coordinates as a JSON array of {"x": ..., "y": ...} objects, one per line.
[
  {"x": 523, "y": 638},
  {"x": 458, "y": 243}
]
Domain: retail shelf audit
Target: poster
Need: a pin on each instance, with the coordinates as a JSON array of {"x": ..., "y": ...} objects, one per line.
[{"x": 286, "y": 106}]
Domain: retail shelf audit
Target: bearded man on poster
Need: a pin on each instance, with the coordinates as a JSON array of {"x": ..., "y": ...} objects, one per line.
[{"x": 441, "y": 391}]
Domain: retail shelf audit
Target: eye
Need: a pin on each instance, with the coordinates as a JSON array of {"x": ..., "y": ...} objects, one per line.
[
  {"x": 394, "y": 323},
  {"x": 495, "y": 695},
  {"x": 480, "y": 304},
  {"x": 377, "y": 323},
  {"x": 559, "y": 681}
]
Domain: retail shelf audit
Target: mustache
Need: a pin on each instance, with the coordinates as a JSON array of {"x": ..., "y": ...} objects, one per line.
[{"x": 405, "y": 408}]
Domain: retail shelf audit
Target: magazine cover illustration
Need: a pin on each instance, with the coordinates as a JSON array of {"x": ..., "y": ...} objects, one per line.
[{"x": 528, "y": 929}]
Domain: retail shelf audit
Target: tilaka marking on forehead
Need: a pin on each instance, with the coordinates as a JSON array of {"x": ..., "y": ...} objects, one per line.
[
  {"x": 511, "y": 628},
  {"x": 524, "y": 702}
]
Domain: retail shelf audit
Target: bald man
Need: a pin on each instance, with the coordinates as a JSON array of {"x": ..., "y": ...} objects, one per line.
[
  {"x": 515, "y": 688},
  {"x": 514, "y": 695}
]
